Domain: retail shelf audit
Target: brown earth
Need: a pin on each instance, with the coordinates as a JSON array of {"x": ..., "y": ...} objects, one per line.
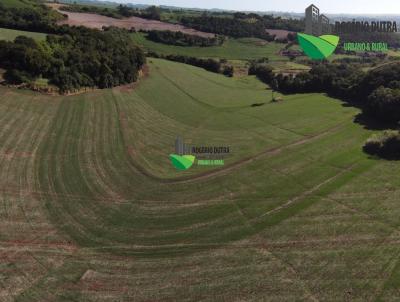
[
  {"x": 98, "y": 21},
  {"x": 279, "y": 33}
]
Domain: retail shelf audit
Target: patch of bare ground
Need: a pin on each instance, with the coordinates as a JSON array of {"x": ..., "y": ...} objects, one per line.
[
  {"x": 8, "y": 155},
  {"x": 98, "y": 21},
  {"x": 279, "y": 33}
]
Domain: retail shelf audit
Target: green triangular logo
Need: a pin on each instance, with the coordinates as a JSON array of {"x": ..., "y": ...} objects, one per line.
[
  {"x": 318, "y": 48},
  {"x": 182, "y": 162}
]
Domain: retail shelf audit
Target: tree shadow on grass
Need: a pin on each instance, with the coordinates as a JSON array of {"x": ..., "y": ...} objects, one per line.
[
  {"x": 257, "y": 104},
  {"x": 381, "y": 156},
  {"x": 371, "y": 123}
]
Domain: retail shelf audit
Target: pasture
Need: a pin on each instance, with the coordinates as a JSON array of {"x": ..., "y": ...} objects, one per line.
[
  {"x": 92, "y": 210},
  {"x": 11, "y": 34},
  {"x": 16, "y": 3},
  {"x": 232, "y": 49}
]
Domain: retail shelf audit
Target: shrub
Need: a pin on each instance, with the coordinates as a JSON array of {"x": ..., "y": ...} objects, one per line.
[
  {"x": 384, "y": 103},
  {"x": 228, "y": 71},
  {"x": 385, "y": 145},
  {"x": 263, "y": 72}
]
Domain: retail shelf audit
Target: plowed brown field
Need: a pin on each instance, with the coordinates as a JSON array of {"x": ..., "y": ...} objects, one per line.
[{"x": 98, "y": 21}]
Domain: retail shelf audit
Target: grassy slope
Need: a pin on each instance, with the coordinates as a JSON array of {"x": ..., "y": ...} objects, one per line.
[
  {"x": 233, "y": 49},
  {"x": 18, "y": 3},
  {"x": 11, "y": 34},
  {"x": 86, "y": 174}
]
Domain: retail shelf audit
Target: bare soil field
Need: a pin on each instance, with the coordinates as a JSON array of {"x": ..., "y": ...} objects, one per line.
[
  {"x": 279, "y": 33},
  {"x": 98, "y": 21}
]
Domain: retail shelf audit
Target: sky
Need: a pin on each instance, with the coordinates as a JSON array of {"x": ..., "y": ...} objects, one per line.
[{"x": 325, "y": 6}]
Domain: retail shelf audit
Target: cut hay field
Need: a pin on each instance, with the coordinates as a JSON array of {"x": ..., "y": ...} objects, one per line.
[
  {"x": 232, "y": 49},
  {"x": 11, "y": 34},
  {"x": 92, "y": 210}
]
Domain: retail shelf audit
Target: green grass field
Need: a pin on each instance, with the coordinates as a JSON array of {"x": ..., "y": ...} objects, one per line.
[
  {"x": 233, "y": 49},
  {"x": 11, "y": 34},
  {"x": 92, "y": 210},
  {"x": 17, "y": 3}
]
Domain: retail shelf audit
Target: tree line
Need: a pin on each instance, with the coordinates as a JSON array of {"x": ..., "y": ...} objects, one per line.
[
  {"x": 271, "y": 22},
  {"x": 234, "y": 27},
  {"x": 104, "y": 11},
  {"x": 80, "y": 58},
  {"x": 182, "y": 39},
  {"x": 151, "y": 12},
  {"x": 121, "y": 11},
  {"x": 376, "y": 91},
  {"x": 212, "y": 65},
  {"x": 241, "y": 24},
  {"x": 38, "y": 18}
]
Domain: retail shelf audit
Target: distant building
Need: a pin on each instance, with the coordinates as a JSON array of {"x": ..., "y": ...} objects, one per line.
[
  {"x": 325, "y": 27},
  {"x": 179, "y": 146},
  {"x": 316, "y": 24},
  {"x": 312, "y": 20}
]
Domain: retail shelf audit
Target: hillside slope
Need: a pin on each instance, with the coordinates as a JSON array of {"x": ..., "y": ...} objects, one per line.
[{"x": 92, "y": 209}]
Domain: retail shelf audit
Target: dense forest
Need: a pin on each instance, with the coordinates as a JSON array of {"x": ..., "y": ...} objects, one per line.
[
  {"x": 152, "y": 12},
  {"x": 183, "y": 39},
  {"x": 36, "y": 18},
  {"x": 241, "y": 24},
  {"x": 81, "y": 58},
  {"x": 271, "y": 22},
  {"x": 234, "y": 27}
]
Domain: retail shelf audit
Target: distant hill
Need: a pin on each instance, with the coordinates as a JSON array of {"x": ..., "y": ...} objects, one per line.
[
  {"x": 282, "y": 14},
  {"x": 102, "y": 3}
]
